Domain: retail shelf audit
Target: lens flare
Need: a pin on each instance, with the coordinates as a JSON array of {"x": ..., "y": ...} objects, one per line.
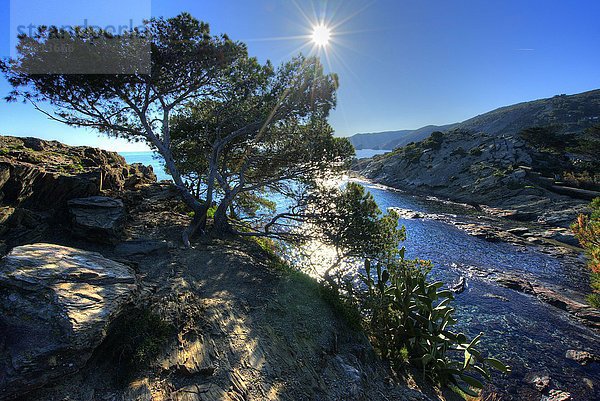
[{"x": 321, "y": 35}]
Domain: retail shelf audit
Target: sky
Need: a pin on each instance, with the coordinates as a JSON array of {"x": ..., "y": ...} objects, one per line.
[{"x": 402, "y": 64}]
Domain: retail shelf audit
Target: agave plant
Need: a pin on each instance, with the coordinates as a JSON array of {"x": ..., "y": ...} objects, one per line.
[{"x": 408, "y": 316}]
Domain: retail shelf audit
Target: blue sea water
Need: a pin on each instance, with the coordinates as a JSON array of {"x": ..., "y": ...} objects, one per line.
[
  {"x": 148, "y": 158},
  {"x": 156, "y": 161}
]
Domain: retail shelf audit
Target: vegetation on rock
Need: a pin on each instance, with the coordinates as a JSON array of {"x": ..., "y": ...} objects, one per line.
[{"x": 587, "y": 230}]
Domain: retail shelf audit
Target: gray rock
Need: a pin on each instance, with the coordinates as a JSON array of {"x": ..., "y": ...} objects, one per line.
[
  {"x": 540, "y": 380},
  {"x": 459, "y": 286},
  {"x": 97, "y": 218},
  {"x": 581, "y": 357},
  {"x": 518, "y": 230},
  {"x": 557, "y": 395},
  {"x": 141, "y": 247},
  {"x": 56, "y": 304},
  {"x": 476, "y": 167}
]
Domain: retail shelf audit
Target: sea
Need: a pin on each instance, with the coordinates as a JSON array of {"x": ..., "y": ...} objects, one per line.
[{"x": 155, "y": 160}]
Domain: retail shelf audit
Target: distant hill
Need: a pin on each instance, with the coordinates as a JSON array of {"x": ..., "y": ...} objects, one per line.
[
  {"x": 566, "y": 112},
  {"x": 537, "y": 159},
  {"x": 392, "y": 139}
]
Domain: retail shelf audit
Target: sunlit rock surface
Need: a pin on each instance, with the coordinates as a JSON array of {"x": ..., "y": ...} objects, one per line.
[{"x": 55, "y": 306}]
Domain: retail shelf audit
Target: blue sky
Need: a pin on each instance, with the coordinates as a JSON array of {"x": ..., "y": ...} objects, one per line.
[{"x": 402, "y": 63}]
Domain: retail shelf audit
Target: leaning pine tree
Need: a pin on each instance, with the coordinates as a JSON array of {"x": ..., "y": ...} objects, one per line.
[{"x": 241, "y": 126}]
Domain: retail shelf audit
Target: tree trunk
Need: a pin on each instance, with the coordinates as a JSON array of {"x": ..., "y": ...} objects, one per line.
[
  {"x": 198, "y": 223},
  {"x": 221, "y": 221}
]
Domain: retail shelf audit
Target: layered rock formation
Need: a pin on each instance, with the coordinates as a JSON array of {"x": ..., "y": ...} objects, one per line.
[
  {"x": 97, "y": 218},
  {"x": 38, "y": 177},
  {"x": 56, "y": 304}
]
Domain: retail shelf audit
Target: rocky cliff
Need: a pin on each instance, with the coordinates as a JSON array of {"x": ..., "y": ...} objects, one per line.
[
  {"x": 569, "y": 113},
  {"x": 139, "y": 318},
  {"x": 499, "y": 171},
  {"x": 38, "y": 178}
]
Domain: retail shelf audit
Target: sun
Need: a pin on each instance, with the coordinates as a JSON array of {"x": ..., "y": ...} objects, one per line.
[{"x": 321, "y": 35}]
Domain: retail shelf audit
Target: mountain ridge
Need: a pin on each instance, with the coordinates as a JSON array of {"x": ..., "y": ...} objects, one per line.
[{"x": 565, "y": 110}]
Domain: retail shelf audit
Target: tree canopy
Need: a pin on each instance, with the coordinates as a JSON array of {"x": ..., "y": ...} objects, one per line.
[{"x": 228, "y": 127}]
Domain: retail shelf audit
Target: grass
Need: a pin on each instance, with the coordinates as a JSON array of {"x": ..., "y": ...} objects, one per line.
[
  {"x": 340, "y": 304},
  {"x": 135, "y": 340}
]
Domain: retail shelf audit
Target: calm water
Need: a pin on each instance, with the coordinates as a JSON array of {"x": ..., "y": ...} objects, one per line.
[
  {"x": 150, "y": 158},
  {"x": 528, "y": 334}
]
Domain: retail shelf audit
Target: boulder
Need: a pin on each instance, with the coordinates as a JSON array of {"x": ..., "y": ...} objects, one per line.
[
  {"x": 582, "y": 357},
  {"x": 56, "y": 304},
  {"x": 539, "y": 380},
  {"x": 139, "y": 174},
  {"x": 97, "y": 218},
  {"x": 141, "y": 247}
]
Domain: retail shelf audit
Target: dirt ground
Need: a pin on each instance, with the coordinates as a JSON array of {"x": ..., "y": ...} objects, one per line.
[{"x": 239, "y": 328}]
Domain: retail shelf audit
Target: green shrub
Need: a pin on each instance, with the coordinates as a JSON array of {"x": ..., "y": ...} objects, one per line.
[
  {"x": 134, "y": 341},
  {"x": 476, "y": 151},
  {"x": 587, "y": 230},
  {"x": 210, "y": 214},
  {"x": 411, "y": 318},
  {"x": 434, "y": 141}
]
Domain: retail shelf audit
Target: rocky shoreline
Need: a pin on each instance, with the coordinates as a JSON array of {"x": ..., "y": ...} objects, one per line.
[
  {"x": 556, "y": 241},
  {"x": 499, "y": 171}
]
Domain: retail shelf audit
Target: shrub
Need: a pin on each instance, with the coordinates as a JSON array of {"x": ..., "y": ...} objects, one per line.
[
  {"x": 134, "y": 341},
  {"x": 409, "y": 317},
  {"x": 476, "y": 151},
  {"x": 587, "y": 230},
  {"x": 544, "y": 138},
  {"x": 434, "y": 141}
]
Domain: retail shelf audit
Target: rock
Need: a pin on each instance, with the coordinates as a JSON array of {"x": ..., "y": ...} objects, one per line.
[
  {"x": 194, "y": 354},
  {"x": 589, "y": 383},
  {"x": 459, "y": 286},
  {"x": 561, "y": 235},
  {"x": 38, "y": 178},
  {"x": 141, "y": 247},
  {"x": 581, "y": 357},
  {"x": 515, "y": 283},
  {"x": 557, "y": 298},
  {"x": 557, "y": 395},
  {"x": 478, "y": 167},
  {"x": 540, "y": 380},
  {"x": 518, "y": 230},
  {"x": 56, "y": 304},
  {"x": 139, "y": 175},
  {"x": 201, "y": 392},
  {"x": 20, "y": 226},
  {"x": 495, "y": 296},
  {"x": 97, "y": 218},
  {"x": 406, "y": 213}
]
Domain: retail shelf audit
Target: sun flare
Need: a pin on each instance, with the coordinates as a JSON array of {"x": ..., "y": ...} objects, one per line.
[{"x": 321, "y": 35}]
